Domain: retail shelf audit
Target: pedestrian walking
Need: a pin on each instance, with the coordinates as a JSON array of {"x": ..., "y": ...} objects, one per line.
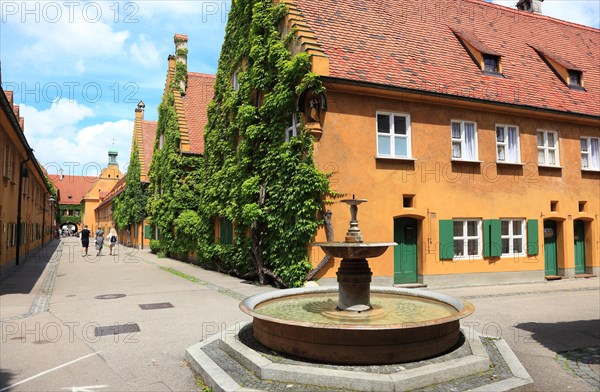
[
  {"x": 112, "y": 240},
  {"x": 99, "y": 241},
  {"x": 85, "y": 240}
]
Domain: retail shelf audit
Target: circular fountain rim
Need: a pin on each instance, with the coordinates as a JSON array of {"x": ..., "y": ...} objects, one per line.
[
  {"x": 464, "y": 308},
  {"x": 342, "y": 244}
]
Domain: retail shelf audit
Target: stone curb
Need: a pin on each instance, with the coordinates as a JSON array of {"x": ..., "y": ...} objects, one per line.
[{"x": 263, "y": 368}]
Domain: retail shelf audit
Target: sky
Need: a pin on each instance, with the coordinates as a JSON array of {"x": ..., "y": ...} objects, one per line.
[{"x": 79, "y": 68}]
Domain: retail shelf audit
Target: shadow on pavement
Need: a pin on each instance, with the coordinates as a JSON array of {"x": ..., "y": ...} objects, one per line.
[
  {"x": 21, "y": 279},
  {"x": 6, "y": 378},
  {"x": 564, "y": 336}
]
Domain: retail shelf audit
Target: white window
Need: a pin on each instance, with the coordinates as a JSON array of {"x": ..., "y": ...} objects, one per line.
[
  {"x": 235, "y": 82},
  {"x": 547, "y": 142},
  {"x": 292, "y": 130},
  {"x": 467, "y": 239},
  {"x": 393, "y": 135},
  {"x": 507, "y": 144},
  {"x": 464, "y": 140},
  {"x": 590, "y": 153},
  {"x": 161, "y": 141},
  {"x": 513, "y": 237}
]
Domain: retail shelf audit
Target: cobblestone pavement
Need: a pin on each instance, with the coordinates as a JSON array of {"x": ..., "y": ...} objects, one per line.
[
  {"x": 584, "y": 363},
  {"x": 498, "y": 370}
]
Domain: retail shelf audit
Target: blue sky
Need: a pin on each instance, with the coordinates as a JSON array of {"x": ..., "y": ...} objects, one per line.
[{"x": 78, "y": 68}]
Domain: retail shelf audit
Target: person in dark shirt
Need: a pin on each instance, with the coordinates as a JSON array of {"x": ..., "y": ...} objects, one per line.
[{"x": 85, "y": 240}]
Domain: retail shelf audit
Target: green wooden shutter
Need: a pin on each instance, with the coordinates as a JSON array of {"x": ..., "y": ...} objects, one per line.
[
  {"x": 533, "y": 247},
  {"x": 446, "y": 239},
  {"x": 147, "y": 232},
  {"x": 492, "y": 238},
  {"x": 225, "y": 231}
]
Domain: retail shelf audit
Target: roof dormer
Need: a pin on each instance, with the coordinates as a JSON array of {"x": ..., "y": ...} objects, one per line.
[
  {"x": 486, "y": 59},
  {"x": 568, "y": 73}
]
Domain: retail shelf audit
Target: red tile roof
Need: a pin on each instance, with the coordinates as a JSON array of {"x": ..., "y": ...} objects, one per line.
[
  {"x": 74, "y": 186},
  {"x": 148, "y": 137},
  {"x": 198, "y": 94},
  {"x": 410, "y": 44}
]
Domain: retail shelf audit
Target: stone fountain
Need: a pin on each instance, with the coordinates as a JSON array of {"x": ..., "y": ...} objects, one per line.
[{"x": 356, "y": 324}]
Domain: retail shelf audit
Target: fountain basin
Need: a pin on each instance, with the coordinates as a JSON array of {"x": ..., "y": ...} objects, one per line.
[
  {"x": 354, "y": 250},
  {"x": 305, "y": 323}
]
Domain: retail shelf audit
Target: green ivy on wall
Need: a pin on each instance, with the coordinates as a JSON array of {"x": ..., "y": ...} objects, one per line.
[
  {"x": 129, "y": 206},
  {"x": 270, "y": 189}
]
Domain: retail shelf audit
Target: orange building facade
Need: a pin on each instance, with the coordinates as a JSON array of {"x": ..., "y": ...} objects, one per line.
[
  {"x": 474, "y": 141},
  {"x": 26, "y": 220}
]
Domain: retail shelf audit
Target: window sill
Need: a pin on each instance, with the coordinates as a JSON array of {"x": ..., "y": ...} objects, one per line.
[
  {"x": 466, "y": 161},
  {"x": 510, "y": 163},
  {"x": 390, "y": 158},
  {"x": 590, "y": 170},
  {"x": 550, "y": 167},
  {"x": 473, "y": 258}
]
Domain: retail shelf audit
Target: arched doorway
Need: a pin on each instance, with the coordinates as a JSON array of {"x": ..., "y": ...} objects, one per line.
[
  {"x": 579, "y": 237},
  {"x": 550, "y": 249},
  {"x": 405, "y": 253}
]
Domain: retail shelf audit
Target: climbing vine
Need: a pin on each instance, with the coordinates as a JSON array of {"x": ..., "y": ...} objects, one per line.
[
  {"x": 129, "y": 206},
  {"x": 269, "y": 188}
]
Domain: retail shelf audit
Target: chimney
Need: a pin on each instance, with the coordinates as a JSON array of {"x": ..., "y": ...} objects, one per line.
[
  {"x": 139, "y": 111},
  {"x": 534, "y": 6},
  {"x": 181, "y": 57}
]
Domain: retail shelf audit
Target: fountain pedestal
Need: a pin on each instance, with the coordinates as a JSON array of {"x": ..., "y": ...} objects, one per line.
[{"x": 354, "y": 278}]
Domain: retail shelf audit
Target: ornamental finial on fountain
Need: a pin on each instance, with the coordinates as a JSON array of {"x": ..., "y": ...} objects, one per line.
[{"x": 353, "y": 234}]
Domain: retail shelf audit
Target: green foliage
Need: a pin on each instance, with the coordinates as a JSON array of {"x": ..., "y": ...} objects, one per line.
[
  {"x": 266, "y": 186},
  {"x": 154, "y": 246},
  {"x": 70, "y": 219},
  {"x": 174, "y": 180},
  {"x": 129, "y": 206}
]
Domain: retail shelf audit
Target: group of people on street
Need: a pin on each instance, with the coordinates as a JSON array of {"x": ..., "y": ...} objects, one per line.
[{"x": 85, "y": 234}]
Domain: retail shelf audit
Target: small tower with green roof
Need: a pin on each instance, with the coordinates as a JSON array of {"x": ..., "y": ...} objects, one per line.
[{"x": 112, "y": 154}]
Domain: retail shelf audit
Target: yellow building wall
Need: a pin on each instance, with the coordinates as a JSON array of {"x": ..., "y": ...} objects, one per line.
[
  {"x": 36, "y": 212},
  {"x": 444, "y": 190},
  {"x": 109, "y": 176}
]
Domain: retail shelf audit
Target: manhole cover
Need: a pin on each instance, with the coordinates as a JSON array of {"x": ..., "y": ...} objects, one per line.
[
  {"x": 117, "y": 329},
  {"x": 161, "y": 305},
  {"x": 110, "y": 296}
]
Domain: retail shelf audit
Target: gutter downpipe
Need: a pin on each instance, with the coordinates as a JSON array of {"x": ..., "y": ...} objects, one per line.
[{"x": 19, "y": 233}]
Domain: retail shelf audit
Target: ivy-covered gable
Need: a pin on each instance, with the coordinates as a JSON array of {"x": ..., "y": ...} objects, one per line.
[{"x": 269, "y": 188}]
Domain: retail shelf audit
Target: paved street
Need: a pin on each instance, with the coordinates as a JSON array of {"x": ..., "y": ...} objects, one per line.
[{"x": 52, "y": 308}]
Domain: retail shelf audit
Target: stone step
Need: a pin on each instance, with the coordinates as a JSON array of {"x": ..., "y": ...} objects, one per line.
[{"x": 234, "y": 361}]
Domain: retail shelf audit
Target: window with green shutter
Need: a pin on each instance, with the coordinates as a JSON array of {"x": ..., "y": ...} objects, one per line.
[
  {"x": 225, "y": 231},
  {"x": 533, "y": 247},
  {"x": 147, "y": 232},
  {"x": 492, "y": 238},
  {"x": 446, "y": 239}
]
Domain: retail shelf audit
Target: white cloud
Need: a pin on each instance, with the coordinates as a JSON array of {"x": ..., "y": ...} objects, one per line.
[
  {"x": 87, "y": 152},
  {"x": 80, "y": 66},
  {"x": 145, "y": 52},
  {"x": 58, "y": 138},
  {"x": 60, "y": 119}
]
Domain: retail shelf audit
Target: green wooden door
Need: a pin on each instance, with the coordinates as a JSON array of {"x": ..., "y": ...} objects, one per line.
[
  {"x": 579, "y": 229},
  {"x": 550, "y": 261},
  {"x": 405, "y": 253}
]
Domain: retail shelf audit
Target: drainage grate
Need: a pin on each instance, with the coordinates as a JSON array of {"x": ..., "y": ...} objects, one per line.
[
  {"x": 160, "y": 305},
  {"x": 110, "y": 296},
  {"x": 117, "y": 329}
]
